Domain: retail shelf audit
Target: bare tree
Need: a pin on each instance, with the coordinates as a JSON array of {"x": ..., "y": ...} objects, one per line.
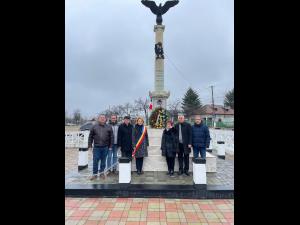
[
  {"x": 174, "y": 108},
  {"x": 142, "y": 105},
  {"x": 119, "y": 110},
  {"x": 127, "y": 109},
  {"x": 67, "y": 118},
  {"x": 77, "y": 116}
]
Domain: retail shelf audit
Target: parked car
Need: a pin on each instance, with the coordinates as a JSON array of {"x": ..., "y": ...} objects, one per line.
[{"x": 87, "y": 126}]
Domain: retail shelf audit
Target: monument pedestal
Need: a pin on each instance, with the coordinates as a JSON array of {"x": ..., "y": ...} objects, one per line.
[
  {"x": 156, "y": 162},
  {"x": 159, "y": 98}
]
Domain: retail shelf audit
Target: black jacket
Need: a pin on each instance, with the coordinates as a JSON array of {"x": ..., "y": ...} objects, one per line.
[
  {"x": 125, "y": 137},
  {"x": 102, "y": 135},
  {"x": 200, "y": 135},
  {"x": 169, "y": 143},
  {"x": 186, "y": 130}
]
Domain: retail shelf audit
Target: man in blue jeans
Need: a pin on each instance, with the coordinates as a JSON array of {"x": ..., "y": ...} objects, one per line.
[
  {"x": 200, "y": 138},
  {"x": 102, "y": 136},
  {"x": 112, "y": 155}
]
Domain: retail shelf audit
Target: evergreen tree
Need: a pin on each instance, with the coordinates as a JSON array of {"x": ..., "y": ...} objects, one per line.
[
  {"x": 191, "y": 103},
  {"x": 229, "y": 99}
]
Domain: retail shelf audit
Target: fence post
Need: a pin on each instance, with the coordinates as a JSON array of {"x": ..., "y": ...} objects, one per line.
[
  {"x": 199, "y": 173},
  {"x": 83, "y": 158},
  {"x": 221, "y": 149},
  {"x": 124, "y": 170}
]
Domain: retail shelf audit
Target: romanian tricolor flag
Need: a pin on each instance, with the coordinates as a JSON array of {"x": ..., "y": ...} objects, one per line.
[
  {"x": 150, "y": 106},
  {"x": 140, "y": 141}
]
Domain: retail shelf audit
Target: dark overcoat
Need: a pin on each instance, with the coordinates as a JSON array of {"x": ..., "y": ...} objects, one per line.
[
  {"x": 143, "y": 150},
  {"x": 169, "y": 143},
  {"x": 125, "y": 137},
  {"x": 186, "y": 130}
]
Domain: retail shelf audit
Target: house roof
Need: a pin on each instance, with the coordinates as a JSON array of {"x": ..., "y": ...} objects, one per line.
[{"x": 219, "y": 110}]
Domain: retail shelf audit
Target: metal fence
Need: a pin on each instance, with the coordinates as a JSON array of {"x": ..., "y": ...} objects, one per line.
[{"x": 219, "y": 124}]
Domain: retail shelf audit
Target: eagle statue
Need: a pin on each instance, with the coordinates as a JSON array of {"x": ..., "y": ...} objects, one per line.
[{"x": 159, "y": 10}]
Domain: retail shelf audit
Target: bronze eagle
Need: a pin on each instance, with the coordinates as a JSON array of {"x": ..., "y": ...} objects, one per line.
[{"x": 159, "y": 10}]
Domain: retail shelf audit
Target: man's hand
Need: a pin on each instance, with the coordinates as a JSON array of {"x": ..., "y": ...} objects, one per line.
[
  {"x": 110, "y": 149},
  {"x": 190, "y": 146}
]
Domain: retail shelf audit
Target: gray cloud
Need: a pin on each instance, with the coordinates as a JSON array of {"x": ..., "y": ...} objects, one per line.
[{"x": 110, "y": 57}]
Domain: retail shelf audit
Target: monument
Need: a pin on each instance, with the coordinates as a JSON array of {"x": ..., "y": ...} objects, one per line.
[{"x": 159, "y": 96}]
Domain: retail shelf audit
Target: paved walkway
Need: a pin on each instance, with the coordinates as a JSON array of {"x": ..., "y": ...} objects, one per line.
[{"x": 148, "y": 211}]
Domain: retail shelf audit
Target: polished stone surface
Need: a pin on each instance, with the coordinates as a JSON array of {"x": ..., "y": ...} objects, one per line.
[{"x": 223, "y": 176}]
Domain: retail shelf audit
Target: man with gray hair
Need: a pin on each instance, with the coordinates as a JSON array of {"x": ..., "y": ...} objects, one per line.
[
  {"x": 101, "y": 135},
  {"x": 184, "y": 134}
]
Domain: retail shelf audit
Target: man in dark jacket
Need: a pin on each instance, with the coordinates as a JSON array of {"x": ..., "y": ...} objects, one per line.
[
  {"x": 125, "y": 138},
  {"x": 102, "y": 136},
  {"x": 184, "y": 134},
  {"x": 200, "y": 138}
]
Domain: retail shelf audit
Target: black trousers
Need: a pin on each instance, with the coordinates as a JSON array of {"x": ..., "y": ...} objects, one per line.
[
  {"x": 127, "y": 154},
  {"x": 183, "y": 158},
  {"x": 139, "y": 163},
  {"x": 171, "y": 163}
]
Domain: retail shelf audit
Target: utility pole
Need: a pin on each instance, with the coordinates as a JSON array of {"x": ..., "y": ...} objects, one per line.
[{"x": 213, "y": 104}]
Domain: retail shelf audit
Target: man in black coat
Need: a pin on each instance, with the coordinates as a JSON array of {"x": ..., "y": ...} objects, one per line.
[
  {"x": 184, "y": 134},
  {"x": 125, "y": 138}
]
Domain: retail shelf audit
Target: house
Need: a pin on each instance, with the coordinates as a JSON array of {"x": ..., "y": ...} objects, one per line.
[{"x": 222, "y": 114}]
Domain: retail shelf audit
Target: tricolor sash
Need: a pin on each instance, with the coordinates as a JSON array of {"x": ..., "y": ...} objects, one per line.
[{"x": 140, "y": 141}]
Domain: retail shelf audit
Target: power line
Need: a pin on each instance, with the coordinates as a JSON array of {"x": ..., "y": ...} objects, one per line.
[
  {"x": 213, "y": 104},
  {"x": 181, "y": 73}
]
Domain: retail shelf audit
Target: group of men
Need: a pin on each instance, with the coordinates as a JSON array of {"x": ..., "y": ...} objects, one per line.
[
  {"x": 194, "y": 137},
  {"x": 108, "y": 138}
]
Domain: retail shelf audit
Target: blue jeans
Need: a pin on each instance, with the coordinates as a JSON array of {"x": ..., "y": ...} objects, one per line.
[
  {"x": 99, "y": 154},
  {"x": 112, "y": 157},
  {"x": 201, "y": 150}
]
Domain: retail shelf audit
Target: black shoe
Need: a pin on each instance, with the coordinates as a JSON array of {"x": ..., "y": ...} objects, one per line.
[
  {"x": 180, "y": 172},
  {"x": 139, "y": 172},
  {"x": 187, "y": 173},
  {"x": 172, "y": 174}
]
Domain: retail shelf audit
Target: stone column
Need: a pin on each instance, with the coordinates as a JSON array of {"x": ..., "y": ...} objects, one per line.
[
  {"x": 159, "y": 63},
  {"x": 159, "y": 95}
]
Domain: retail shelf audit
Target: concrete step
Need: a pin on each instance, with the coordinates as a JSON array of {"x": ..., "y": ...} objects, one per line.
[
  {"x": 155, "y": 141},
  {"x": 158, "y": 163}
]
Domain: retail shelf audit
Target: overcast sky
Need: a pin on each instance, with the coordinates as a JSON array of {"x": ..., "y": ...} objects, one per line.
[{"x": 109, "y": 51}]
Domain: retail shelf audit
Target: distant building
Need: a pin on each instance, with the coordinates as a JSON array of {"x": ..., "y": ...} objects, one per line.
[{"x": 222, "y": 114}]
